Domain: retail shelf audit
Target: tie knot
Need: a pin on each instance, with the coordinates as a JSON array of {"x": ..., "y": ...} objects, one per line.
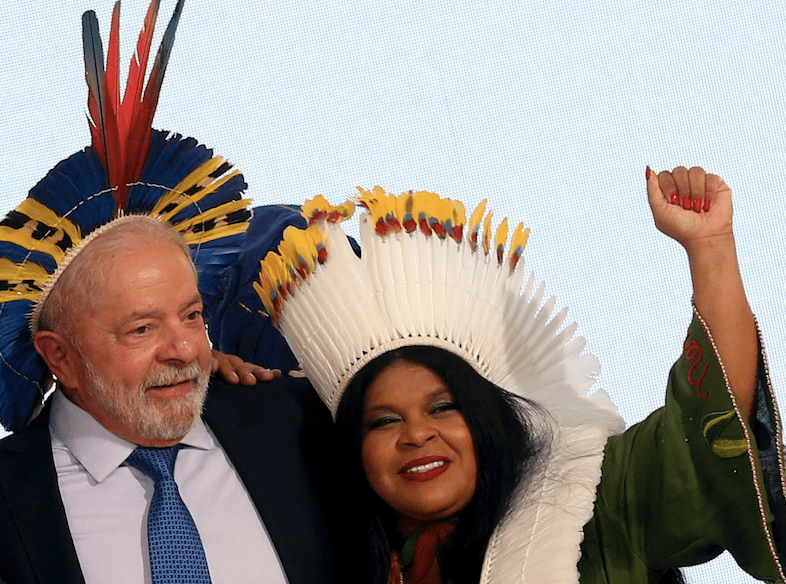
[{"x": 157, "y": 463}]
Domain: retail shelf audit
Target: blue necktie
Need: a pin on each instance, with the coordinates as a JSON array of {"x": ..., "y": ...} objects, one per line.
[{"x": 176, "y": 553}]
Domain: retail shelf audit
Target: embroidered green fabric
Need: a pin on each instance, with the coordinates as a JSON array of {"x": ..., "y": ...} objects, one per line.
[{"x": 688, "y": 482}]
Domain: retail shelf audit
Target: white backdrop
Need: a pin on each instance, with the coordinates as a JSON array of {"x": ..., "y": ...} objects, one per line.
[{"x": 551, "y": 108}]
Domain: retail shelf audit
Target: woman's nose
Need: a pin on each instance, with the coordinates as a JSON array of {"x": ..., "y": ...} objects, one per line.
[{"x": 417, "y": 432}]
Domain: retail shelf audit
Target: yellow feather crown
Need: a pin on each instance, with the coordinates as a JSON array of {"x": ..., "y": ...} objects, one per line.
[{"x": 300, "y": 251}]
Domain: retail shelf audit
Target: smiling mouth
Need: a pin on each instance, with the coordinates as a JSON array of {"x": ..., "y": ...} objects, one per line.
[
  {"x": 173, "y": 385},
  {"x": 186, "y": 380},
  {"x": 425, "y": 467}
]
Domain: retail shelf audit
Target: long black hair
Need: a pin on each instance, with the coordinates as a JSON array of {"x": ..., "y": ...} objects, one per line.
[{"x": 509, "y": 436}]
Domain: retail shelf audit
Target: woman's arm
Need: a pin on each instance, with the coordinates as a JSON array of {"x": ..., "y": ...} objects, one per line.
[
  {"x": 695, "y": 209},
  {"x": 691, "y": 481}
]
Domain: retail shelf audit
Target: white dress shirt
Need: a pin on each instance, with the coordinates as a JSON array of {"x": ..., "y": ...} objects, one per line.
[{"x": 106, "y": 503}]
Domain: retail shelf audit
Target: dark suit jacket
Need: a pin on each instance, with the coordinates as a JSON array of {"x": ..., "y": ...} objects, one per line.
[{"x": 277, "y": 434}]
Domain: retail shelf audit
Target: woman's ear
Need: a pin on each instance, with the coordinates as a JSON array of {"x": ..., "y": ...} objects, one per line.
[{"x": 60, "y": 356}]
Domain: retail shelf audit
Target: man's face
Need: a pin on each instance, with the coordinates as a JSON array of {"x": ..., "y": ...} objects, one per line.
[{"x": 144, "y": 352}]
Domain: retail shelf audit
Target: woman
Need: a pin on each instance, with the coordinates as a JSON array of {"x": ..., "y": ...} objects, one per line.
[
  {"x": 410, "y": 345},
  {"x": 464, "y": 445}
]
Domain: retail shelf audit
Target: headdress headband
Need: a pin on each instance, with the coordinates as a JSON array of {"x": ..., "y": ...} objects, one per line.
[
  {"x": 427, "y": 277},
  {"x": 128, "y": 169}
]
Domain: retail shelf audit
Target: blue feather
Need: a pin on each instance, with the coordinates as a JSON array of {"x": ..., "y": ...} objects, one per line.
[
  {"x": 172, "y": 159},
  {"x": 188, "y": 156},
  {"x": 18, "y": 254},
  {"x": 229, "y": 191},
  {"x": 67, "y": 190},
  {"x": 17, "y": 395},
  {"x": 212, "y": 262}
]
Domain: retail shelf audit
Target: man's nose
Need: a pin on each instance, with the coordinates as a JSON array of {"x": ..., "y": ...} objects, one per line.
[{"x": 178, "y": 344}]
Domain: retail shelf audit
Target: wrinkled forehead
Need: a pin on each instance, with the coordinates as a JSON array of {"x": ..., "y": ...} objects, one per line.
[
  {"x": 132, "y": 269},
  {"x": 116, "y": 260}
]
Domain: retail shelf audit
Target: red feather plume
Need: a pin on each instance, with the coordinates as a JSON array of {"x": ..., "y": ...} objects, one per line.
[
  {"x": 120, "y": 130},
  {"x": 113, "y": 65}
]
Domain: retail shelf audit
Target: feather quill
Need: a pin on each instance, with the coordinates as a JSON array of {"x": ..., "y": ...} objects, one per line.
[
  {"x": 140, "y": 125},
  {"x": 138, "y": 66},
  {"x": 102, "y": 120},
  {"x": 113, "y": 67}
]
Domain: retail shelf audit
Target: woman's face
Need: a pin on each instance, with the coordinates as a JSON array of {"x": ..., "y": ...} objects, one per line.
[{"x": 417, "y": 451}]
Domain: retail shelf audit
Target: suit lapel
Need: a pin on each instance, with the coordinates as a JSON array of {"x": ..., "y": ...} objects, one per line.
[
  {"x": 262, "y": 433},
  {"x": 28, "y": 483}
]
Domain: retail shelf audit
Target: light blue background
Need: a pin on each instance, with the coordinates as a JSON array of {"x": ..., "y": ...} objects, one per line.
[{"x": 549, "y": 108}]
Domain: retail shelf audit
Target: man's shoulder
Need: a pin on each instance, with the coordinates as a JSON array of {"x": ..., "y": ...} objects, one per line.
[
  {"x": 34, "y": 436},
  {"x": 11, "y": 444},
  {"x": 282, "y": 397},
  {"x": 285, "y": 387}
]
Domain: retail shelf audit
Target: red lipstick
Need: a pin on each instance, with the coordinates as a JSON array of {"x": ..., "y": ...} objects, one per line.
[{"x": 435, "y": 466}]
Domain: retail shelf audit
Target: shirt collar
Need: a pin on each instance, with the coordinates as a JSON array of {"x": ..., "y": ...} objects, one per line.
[{"x": 98, "y": 450}]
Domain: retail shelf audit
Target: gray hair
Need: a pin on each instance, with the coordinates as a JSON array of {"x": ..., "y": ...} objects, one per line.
[{"x": 77, "y": 292}]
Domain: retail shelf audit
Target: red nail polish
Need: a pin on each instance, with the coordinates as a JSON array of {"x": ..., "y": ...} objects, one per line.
[
  {"x": 686, "y": 204},
  {"x": 675, "y": 199},
  {"x": 707, "y": 203},
  {"x": 648, "y": 172},
  {"x": 697, "y": 205}
]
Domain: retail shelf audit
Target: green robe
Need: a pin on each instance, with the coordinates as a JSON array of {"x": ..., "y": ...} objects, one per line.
[{"x": 693, "y": 479}]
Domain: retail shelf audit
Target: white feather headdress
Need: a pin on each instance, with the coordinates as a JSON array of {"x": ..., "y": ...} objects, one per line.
[{"x": 423, "y": 279}]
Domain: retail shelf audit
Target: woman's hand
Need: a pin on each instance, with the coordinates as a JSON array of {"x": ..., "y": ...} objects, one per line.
[
  {"x": 234, "y": 370},
  {"x": 694, "y": 208}
]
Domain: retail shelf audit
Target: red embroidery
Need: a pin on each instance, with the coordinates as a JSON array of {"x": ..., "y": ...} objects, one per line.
[{"x": 693, "y": 352}]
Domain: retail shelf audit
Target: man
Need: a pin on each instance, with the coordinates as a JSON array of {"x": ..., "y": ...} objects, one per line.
[
  {"x": 132, "y": 363},
  {"x": 119, "y": 478}
]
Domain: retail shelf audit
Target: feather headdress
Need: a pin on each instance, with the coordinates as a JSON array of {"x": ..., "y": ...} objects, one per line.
[
  {"x": 427, "y": 276},
  {"x": 128, "y": 169}
]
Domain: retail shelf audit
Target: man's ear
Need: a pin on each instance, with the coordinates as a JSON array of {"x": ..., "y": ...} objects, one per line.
[{"x": 59, "y": 355}]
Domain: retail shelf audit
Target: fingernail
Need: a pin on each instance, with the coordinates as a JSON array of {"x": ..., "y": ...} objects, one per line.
[
  {"x": 707, "y": 204},
  {"x": 648, "y": 172},
  {"x": 686, "y": 204},
  {"x": 697, "y": 205},
  {"x": 675, "y": 199}
]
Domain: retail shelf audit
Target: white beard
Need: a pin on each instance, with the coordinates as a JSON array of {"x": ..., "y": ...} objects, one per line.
[{"x": 145, "y": 415}]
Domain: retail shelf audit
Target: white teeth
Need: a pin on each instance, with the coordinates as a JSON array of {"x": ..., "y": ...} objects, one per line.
[{"x": 425, "y": 467}]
